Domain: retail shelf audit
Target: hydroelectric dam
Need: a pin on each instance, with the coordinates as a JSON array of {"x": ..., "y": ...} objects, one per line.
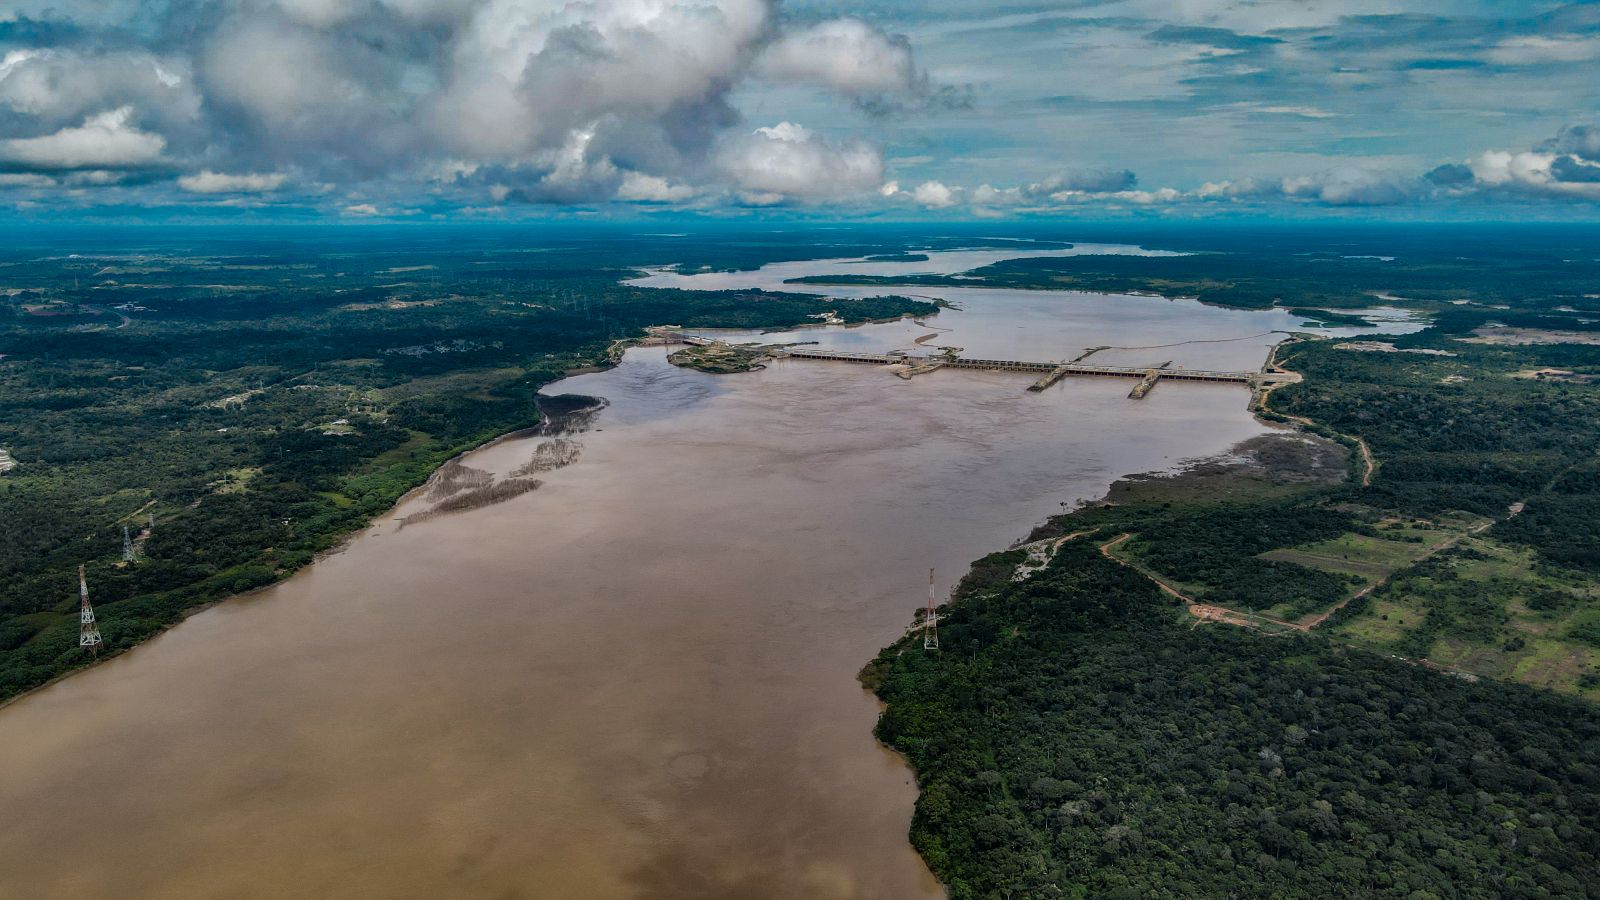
[{"x": 907, "y": 365}]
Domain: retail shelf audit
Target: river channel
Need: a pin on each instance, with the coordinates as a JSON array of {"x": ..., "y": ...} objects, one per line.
[{"x": 638, "y": 679}]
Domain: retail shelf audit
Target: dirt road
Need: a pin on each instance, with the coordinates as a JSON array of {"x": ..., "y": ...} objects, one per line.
[{"x": 1206, "y": 612}]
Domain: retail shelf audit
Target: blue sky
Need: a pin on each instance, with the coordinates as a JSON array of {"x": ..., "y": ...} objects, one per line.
[{"x": 506, "y": 109}]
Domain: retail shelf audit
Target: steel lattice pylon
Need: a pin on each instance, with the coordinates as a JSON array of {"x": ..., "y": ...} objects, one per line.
[{"x": 88, "y": 631}]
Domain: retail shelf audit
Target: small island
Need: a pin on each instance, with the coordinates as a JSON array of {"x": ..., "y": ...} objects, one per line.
[{"x": 722, "y": 359}]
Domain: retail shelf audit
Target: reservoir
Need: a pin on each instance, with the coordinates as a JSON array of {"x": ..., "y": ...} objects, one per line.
[{"x": 637, "y": 680}]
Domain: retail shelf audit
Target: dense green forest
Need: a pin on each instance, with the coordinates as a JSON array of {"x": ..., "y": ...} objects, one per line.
[
  {"x": 1074, "y": 738},
  {"x": 240, "y": 403}
]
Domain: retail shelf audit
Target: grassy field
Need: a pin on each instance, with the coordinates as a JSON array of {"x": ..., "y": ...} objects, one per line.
[
  {"x": 1370, "y": 559},
  {"x": 1385, "y": 624},
  {"x": 1491, "y": 609}
]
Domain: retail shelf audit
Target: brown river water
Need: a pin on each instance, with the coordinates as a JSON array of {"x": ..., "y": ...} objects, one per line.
[{"x": 638, "y": 680}]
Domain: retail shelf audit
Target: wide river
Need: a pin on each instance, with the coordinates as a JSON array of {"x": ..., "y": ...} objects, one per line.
[{"x": 635, "y": 681}]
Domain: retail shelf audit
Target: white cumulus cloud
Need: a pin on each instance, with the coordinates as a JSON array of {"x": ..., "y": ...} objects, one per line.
[
  {"x": 1352, "y": 186},
  {"x": 790, "y": 161},
  {"x": 522, "y": 75},
  {"x": 58, "y": 87},
  {"x": 844, "y": 55},
  {"x": 1564, "y": 167},
  {"x": 104, "y": 141},
  {"x": 1533, "y": 172},
  {"x": 208, "y": 182},
  {"x": 934, "y": 195},
  {"x": 638, "y": 187},
  {"x": 1343, "y": 186}
]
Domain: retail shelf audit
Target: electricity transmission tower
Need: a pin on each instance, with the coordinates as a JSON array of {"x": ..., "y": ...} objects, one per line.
[
  {"x": 128, "y": 554},
  {"x": 88, "y": 631},
  {"x": 930, "y": 621}
]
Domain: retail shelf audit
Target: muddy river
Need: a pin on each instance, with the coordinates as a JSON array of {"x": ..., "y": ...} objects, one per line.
[{"x": 638, "y": 679}]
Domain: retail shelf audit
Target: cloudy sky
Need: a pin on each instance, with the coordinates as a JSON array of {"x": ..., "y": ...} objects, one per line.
[{"x": 509, "y": 109}]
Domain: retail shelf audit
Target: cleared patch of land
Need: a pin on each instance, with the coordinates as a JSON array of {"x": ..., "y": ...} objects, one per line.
[
  {"x": 234, "y": 481},
  {"x": 1370, "y": 557},
  {"x": 1558, "y": 375},
  {"x": 1384, "y": 347},
  {"x": 1516, "y": 337},
  {"x": 1385, "y": 624},
  {"x": 1488, "y": 608}
]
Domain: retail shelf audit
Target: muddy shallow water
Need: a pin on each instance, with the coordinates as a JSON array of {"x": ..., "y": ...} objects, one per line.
[{"x": 635, "y": 679}]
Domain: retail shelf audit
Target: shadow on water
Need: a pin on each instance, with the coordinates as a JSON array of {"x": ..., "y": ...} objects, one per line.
[
  {"x": 477, "y": 498},
  {"x": 567, "y": 413}
]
